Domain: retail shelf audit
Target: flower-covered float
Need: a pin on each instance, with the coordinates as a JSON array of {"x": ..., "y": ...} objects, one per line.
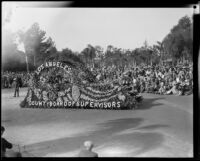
[{"x": 65, "y": 84}]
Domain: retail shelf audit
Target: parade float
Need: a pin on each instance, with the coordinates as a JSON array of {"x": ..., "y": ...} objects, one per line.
[{"x": 59, "y": 83}]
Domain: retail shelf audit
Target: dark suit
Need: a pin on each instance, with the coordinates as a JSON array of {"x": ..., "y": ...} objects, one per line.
[
  {"x": 5, "y": 145},
  {"x": 16, "y": 86},
  {"x": 87, "y": 153}
]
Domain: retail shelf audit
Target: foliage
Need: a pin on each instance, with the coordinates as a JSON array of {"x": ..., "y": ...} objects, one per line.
[
  {"x": 178, "y": 43},
  {"x": 88, "y": 54},
  {"x": 37, "y": 45},
  {"x": 69, "y": 57},
  {"x": 12, "y": 59}
]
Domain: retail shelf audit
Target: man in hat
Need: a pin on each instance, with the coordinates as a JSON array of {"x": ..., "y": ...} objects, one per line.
[
  {"x": 87, "y": 151},
  {"x": 16, "y": 86}
]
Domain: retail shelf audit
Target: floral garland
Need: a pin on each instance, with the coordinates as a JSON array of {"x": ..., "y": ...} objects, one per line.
[{"x": 101, "y": 96}]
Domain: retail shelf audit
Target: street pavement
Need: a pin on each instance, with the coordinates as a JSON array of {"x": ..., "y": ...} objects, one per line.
[{"x": 162, "y": 126}]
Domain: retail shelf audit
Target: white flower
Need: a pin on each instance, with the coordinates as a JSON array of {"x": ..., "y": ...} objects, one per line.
[
  {"x": 75, "y": 93},
  {"x": 121, "y": 97},
  {"x": 69, "y": 96},
  {"x": 67, "y": 90},
  {"x": 61, "y": 93},
  {"x": 45, "y": 98},
  {"x": 65, "y": 99}
]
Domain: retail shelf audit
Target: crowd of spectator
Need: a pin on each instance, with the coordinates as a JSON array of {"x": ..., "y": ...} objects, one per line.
[
  {"x": 9, "y": 77},
  {"x": 177, "y": 80}
]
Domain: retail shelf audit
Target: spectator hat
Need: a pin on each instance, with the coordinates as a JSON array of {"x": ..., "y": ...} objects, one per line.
[{"x": 88, "y": 144}]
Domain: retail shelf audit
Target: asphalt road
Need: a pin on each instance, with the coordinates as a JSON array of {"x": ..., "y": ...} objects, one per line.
[{"x": 161, "y": 127}]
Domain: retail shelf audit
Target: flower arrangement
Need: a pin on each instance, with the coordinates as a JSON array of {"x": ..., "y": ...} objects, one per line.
[{"x": 68, "y": 90}]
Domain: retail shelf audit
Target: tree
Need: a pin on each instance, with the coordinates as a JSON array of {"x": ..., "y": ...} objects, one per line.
[
  {"x": 99, "y": 51},
  {"x": 145, "y": 44},
  {"x": 89, "y": 54},
  {"x": 158, "y": 49},
  {"x": 47, "y": 48},
  {"x": 12, "y": 58},
  {"x": 37, "y": 46},
  {"x": 69, "y": 54},
  {"x": 109, "y": 51},
  {"x": 178, "y": 43}
]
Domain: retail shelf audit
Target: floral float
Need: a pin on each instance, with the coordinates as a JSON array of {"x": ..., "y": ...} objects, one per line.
[{"x": 58, "y": 84}]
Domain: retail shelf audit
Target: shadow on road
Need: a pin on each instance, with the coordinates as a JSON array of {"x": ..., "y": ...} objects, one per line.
[
  {"x": 30, "y": 114},
  {"x": 152, "y": 127},
  {"x": 106, "y": 134},
  {"x": 149, "y": 103}
]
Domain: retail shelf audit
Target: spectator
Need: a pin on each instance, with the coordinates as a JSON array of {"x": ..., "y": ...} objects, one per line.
[
  {"x": 16, "y": 86},
  {"x": 4, "y": 144},
  {"x": 87, "y": 151}
]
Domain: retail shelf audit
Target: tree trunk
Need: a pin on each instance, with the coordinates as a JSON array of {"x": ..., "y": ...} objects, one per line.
[
  {"x": 34, "y": 60},
  {"x": 27, "y": 65}
]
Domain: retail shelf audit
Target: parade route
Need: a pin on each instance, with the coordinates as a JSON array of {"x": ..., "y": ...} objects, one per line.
[{"x": 161, "y": 127}]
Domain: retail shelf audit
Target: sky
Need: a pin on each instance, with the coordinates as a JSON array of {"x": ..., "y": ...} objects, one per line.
[{"x": 74, "y": 28}]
